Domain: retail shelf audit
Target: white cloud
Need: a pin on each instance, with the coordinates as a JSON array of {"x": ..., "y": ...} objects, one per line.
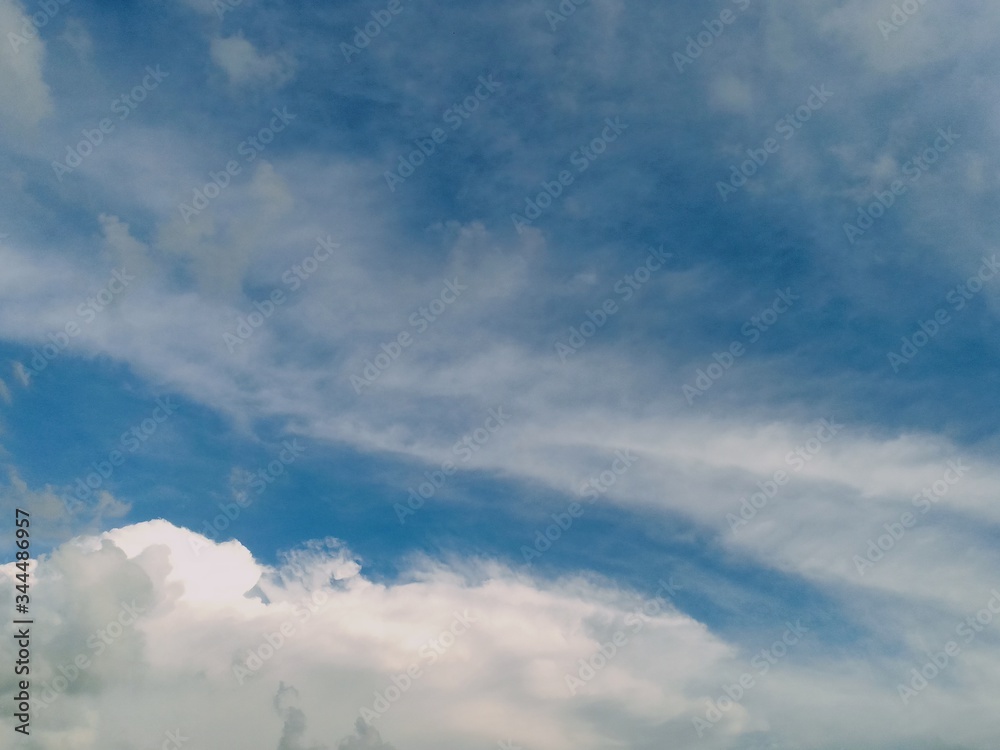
[
  {"x": 244, "y": 65},
  {"x": 731, "y": 94},
  {"x": 24, "y": 95},
  {"x": 192, "y": 614},
  {"x": 123, "y": 250},
  {"x": 78, "y": 38},
  {"x": 57, "y": 522},
  {"x": 501, "y": 673}
]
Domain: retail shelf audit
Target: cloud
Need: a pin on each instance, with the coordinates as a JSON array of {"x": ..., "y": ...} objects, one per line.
[
  {"x": 24, "y": 95},
  {"x": 78, "y": 38},
  {"x": 202, "y": 623},
  {"x": 245, "y": 66},
  {"x": 731, "y": 94},
  {"x": 494, "y": 346},
  {"x": 203, "y": 6},
  {"x": 365, "y": 737},
  {"x": 56, "y": 521},
  {"x": 123, "y": 249},
  {"x": 341, "y": 642},
  {"x": 294, "y": 728}
]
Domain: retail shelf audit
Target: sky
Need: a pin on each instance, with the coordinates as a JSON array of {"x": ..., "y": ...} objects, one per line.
[{"x": 530, "y": 376}]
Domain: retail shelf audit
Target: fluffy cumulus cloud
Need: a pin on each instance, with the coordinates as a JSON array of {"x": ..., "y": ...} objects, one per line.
[
  {"x": 149, "y": 624},
  {"x": 312, "y": 654}
]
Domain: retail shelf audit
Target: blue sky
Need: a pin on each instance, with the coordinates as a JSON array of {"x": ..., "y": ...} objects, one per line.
[{"x": 333, "y": 252}]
